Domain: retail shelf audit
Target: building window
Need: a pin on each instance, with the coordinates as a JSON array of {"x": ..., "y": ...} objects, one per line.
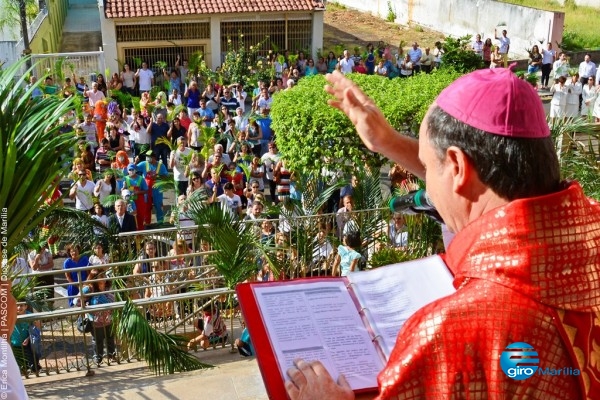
[
  {"x": 299, "y": 34},
  {"x": 170, "y": 31}
]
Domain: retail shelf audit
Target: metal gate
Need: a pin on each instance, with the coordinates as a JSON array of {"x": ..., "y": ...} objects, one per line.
[{"x": 87, "y": 64}]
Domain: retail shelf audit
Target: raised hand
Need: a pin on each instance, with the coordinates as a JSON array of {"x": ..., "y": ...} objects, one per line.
[{"x": 369, "y": 121}]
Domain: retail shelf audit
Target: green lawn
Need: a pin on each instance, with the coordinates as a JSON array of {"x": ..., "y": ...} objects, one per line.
[{"x": 581, "y": 23}]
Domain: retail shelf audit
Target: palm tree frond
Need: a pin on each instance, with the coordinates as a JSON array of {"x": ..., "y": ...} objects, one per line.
[{"x": 151, "y": 345}]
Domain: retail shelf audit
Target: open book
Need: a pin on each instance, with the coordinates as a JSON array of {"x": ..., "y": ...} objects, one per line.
[{"x": 348, "y": 323}]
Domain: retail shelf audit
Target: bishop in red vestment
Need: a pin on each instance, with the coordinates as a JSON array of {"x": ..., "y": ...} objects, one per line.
[{"x": 526, "y": 255}]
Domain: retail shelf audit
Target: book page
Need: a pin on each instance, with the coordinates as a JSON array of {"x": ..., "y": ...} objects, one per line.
[
  {"x": 319, "y": 321},
  {"x": 390, "y": 295}
]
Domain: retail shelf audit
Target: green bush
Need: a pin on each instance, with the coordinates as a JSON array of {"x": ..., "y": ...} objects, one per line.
[
  {"x": 391, "y": 16},
  {"x": 309, "y": 131},
  {"x": 459, "y": 56}
]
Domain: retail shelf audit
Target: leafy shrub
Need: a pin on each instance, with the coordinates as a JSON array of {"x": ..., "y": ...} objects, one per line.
[
  {"x": 572, "y": 41},
  {"x": 387, "y": 256},
  {"x": 459, "y": 56},
  {"x": 309, "y": 131},
  {"x": 391, "y": 15}
]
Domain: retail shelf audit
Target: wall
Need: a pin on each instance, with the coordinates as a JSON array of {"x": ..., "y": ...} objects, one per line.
[
  {"x": 8, "y": 52},
  {"x": 525, "y": 26},
  {"x": 50, "y": 29}
]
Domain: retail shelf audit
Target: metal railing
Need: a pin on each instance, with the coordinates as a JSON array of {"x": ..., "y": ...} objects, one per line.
[
  {"x": 85, "y": 63},
  {"x": 172, "y": 302},
  {"x": 172, "y": 299},
  {"x": 33, "y": 28}
]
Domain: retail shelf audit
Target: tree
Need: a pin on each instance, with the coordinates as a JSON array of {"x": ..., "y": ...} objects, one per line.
[
  {"x": 31, "y": 153},
  {"x": 310, "y": 133}
]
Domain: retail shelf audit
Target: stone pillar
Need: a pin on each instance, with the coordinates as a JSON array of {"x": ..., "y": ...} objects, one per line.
[
  {"x": 317, "y": 32},
  {"x": 109, "y": 40},
  {"x": 213, "y": 58}
]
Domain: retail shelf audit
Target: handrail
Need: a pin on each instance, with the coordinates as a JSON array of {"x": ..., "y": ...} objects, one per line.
[
  {"x": 34, "y": 26},
  {"x": 70, "y": 312}
]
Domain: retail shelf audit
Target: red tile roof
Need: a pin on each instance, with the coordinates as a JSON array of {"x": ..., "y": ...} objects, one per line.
[{"x": 155, "y": 8}]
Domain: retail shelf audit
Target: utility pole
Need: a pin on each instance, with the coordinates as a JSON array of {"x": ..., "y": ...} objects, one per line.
[{"x": 26, "y": 49}]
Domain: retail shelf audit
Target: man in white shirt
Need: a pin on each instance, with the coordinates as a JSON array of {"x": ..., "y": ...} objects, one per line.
[
  {"x": 504, "y": 46},
  {"x": 145, "y": 78},
  {"x": 561, "y": 66},
  {"x": 265, "y": 99},
  {"x": 346, "y": 64},
  {"x": 548, "y": 58},
  {"x": 40, "y": 260},
  {"x": 241, "y": 122},
  {"x": 94, "y": 95},
  {"x": 178, "y": 164},
  {"x": 586, "y": 69},
  {"x": 477, "y": 46},
  {"x": 82, "y": 192},
  {"x": 415, "y": 55},
  {"x": 88, "y": 127},
  {"x": 230, "y": 201},
  {"x": 238, "y": 92},
  {"x": 427, "y": 61},
  {"x": 270, "y": 160}
]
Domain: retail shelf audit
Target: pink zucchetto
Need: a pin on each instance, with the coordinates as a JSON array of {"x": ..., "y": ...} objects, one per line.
[{"x": 496, "y": 101}]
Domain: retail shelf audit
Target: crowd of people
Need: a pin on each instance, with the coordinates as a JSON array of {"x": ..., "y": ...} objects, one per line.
[
  {"x": 577, "y": 94},
  {"x": 574, "y": 92}
]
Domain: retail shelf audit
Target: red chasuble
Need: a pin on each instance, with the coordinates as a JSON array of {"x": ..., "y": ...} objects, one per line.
[{"x": 525, "y": 272}]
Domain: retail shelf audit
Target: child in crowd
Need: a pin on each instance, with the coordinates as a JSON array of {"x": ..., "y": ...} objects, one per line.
[
  {"x": 131, "y": 208},
  {"x": 244, "y": 343},
  {"x": 21, "y": 340},
  {"x": 348, "y": 258},
  {"x": 95, "y": 293},
  {"x": 213, "y": 329}
]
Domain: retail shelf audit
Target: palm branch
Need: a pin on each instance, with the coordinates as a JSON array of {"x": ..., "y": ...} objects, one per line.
[
  {"x": 164, "y": 183},
  {"x": 236, "y": 242},
  {"x": 77, "y": 226},
  {"x": 152, "y": 345},
  {"x": 135, "y": 103},
  {"x": 110, "y": 200},
  {"x": 124, "y": 99},
  {"x": 367, "y": 195},
  {"x": 246, "y": 170},
  {"x": 303, "y": 236},
  {"x": 31, "y": 151},
  {"x": 25, "y": 291},
  {"x": 58, "y": 70},
  {"x": 174, "y": 112},
  {"x": 574, "y": 140},
  {"x": 116, "y": 172},
  {"x": 138, "y": 61},
  {"x": 167, "y": 142},
  {"x": 208, "y": 138},
  {"x": 313, "y": 196}
]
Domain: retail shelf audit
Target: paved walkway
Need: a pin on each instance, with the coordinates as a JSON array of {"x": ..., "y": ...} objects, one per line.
[{"x": 234, "y": 378}]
